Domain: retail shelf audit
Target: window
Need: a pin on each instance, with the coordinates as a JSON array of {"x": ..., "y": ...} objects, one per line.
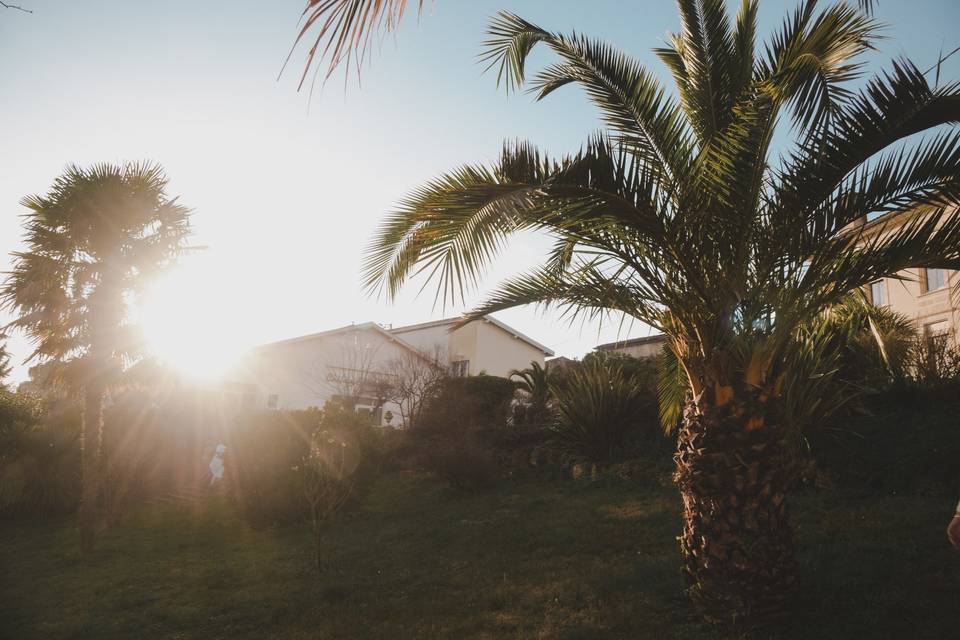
[
  {"x": 273, "y": 401},
  {"x": 938, "y": 329},
  {"x": 460, "y": 368},
  {"x": 935, "y": 279},
  {"x": 878, "y": 292},
  {"x": 936, "y": 334}
]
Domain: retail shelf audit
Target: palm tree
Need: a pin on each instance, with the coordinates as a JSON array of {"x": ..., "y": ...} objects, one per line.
[
  {"x": 535, "y": 382},
  {"x": 92, "y": 241},
  {"x": 682, "y": 217}
]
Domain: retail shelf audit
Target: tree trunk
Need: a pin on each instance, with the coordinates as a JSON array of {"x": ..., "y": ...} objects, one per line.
[
  {"x": 737, "y": 544},
  {"x": 90, "y": 449}
]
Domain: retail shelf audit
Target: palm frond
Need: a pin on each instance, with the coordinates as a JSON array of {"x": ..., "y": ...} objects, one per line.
[
  {"x": 672, "y": 386},
  {"x": 635, "y": 106},
  {"x": 345, "y": 29},
  {"x": 891, "y": 108},
  {"x": 454, "y": 226}
]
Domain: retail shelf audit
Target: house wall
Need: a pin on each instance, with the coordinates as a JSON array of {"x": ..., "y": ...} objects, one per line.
[
  {"x": 298, "y": 371},
  {"x": 463, "y": 346},
  {"x": 488, "y": 348},
  {"x": 497, "y": 353},
  {"x": 432, "y": 341},
  {"x": 907, "y": 297},
  {"x": 644, "y": 350}
]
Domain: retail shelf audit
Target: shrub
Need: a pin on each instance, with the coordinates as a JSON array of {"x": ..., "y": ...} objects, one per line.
[
  {"x": 266, "y": 459},
  {"x": 605, "y": 414},
  {"x": 468, "y": 404},
  {"x": 341, "y": 465},
  {"x": 278, "y": 460},
  {"x": 465, "y": 465},
  {"x": 932, "y": 360},
  {"x": 909, "y": 441},
  {"x": 39, "y": 457}
]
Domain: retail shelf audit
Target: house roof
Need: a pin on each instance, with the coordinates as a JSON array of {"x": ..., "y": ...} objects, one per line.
[
  {"x": 395, "y": 335},
  {"x": 889, "y": 221},
  {"x": 488, "y": 319},
  {"x": 632, "y": 342},
  {"x": 364, "y": 326}
]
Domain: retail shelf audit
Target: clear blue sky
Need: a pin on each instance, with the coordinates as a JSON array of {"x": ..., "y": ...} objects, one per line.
[{"x": 285, "y": 197}]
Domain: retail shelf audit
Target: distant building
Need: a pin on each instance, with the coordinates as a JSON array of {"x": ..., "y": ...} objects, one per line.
[
  {"x": 357, "y": 364},
  {"x": 646, "y": 347},
  {"x": 559, "y": 363},
  {"x": 929, "y": 297}
]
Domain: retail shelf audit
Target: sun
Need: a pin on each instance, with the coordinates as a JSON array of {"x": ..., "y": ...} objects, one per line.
[{"x": 185, "y": 320}]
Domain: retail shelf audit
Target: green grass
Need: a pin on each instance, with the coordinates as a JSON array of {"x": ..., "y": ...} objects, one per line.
[{"x": 530, "y": 559}]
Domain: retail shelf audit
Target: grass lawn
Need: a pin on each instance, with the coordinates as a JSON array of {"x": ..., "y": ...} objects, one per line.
[{"x": 531, "y": 559}]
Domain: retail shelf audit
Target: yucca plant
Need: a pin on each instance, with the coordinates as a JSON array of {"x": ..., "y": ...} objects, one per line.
[
  {"x": 601, "y": 412},
  {"x": 92, "y": 241},
  {"x": 683, "y": 216}
]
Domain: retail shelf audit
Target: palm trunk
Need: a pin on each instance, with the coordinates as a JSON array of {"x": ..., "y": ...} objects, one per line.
[
  {"x": 737, "y": 544},
  {"x": 90, "y": 453}
]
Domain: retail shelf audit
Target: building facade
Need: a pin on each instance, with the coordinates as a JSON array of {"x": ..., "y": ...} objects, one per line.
[
  {"x": 361, "y": 365},
  {"x": 929, "y": 297},
  {"x": 643, "y": 348}
]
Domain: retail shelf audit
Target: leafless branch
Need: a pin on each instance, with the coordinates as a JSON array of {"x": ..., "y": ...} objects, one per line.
[{"x": 15, "y": 6}]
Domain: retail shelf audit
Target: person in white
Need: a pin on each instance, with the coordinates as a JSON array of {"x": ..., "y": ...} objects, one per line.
[{"x": 216, "y": 464}]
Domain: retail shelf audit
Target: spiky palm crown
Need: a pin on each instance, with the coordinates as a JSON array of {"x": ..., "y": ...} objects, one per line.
[
  {"x": 98, "y": 235},
  {"x": 678, "y": 215},
  {"x": 533, "y": 380}
]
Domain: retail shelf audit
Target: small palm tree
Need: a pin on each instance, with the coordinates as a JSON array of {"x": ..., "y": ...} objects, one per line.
[
  {"x": 92, "y": 241},
  {"x": 535, "y": 382},
  {"x": 682, "y": 216}
]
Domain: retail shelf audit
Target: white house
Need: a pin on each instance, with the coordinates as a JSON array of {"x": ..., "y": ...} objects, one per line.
[
  {"x": 483, "y": 346},
  {"x": 360, "y": 362}
]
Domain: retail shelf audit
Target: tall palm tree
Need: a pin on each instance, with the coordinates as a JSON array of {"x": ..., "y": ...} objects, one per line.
[
  {"x": 682, "y": 216},
  {"x": 92, "y": 241}
]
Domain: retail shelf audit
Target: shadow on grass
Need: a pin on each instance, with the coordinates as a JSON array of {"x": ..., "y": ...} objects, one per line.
[{"x": 529, "y": 559}]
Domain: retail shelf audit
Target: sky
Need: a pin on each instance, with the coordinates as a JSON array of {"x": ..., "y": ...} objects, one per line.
[{"x": 286, "y": 187}]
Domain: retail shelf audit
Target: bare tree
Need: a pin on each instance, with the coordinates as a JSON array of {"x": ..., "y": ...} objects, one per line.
[
  {"x": 416, "y": 378},
  {"x": 354, "y": 376},
  {"x": 15, "y": 6}
]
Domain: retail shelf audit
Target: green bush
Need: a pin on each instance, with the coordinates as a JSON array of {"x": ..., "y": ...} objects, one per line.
[
  {"x": 605, "y": 412},
  {"x": 465, "y": 464},
  {"x": 265, "y": 462},
  {"x": 281, "y": 460},
  {"x": 39, "y": 457},
  {"x": 342, "y": 463},
  {"x": 468, "y": 404},
  {"x": 907, "y": 441}
]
